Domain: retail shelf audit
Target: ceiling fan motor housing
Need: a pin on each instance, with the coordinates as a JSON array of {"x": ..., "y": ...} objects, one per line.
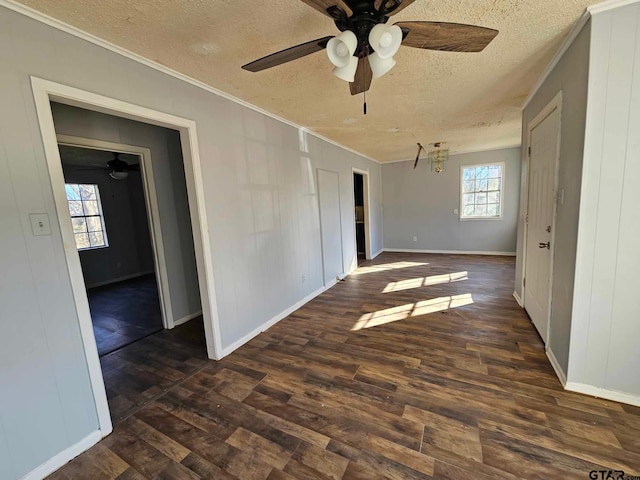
[{"x": 361, "y": 22}]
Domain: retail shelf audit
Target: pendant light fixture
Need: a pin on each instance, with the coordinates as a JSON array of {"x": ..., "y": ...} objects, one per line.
[{"x": 438, "y": 157}]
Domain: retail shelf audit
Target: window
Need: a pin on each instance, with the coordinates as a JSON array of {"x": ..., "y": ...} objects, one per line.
[
  {"x": 482, "y": 187},
  {"x": 86, "y": 216}
]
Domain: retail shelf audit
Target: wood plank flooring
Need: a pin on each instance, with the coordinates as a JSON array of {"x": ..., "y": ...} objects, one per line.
[
  {"x": 124, "y": 312},
  {"x": 416, "y": 366}
]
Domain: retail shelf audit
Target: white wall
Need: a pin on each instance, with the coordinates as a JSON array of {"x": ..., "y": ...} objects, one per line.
[
  {"x": 171, "y": 190},
  {"x": 420, "y": 203},
  {"x": 263, "y": 215},
  {"x": 605, "y": 333},
  {"x": 570, "y": 76}
]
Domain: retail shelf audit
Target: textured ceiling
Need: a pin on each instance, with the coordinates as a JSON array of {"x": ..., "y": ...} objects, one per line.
[{"x": 471, "y": 101}]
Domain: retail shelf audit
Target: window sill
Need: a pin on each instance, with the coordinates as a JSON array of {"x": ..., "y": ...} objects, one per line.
[
  {"x": 89, "y": 249},
  {"x": 480, "y": 219}
]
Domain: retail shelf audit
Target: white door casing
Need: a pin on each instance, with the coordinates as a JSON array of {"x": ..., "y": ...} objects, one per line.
[
  {"x": 542, "y": 193},
  {"x": 330, "y": 225}
]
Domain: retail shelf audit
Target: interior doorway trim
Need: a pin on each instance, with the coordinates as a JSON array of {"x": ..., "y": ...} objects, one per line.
[
  {"x": 151, "y": 206},
  {"x": 44, "y": 92},
  {"x": 367, "y": 217},
  {"x": 555, "y": 104}
]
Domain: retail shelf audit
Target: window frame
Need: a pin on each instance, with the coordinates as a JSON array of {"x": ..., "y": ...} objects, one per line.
[
  {"x": 99, "y": 215},
  {"x": 500, "y": 216}
]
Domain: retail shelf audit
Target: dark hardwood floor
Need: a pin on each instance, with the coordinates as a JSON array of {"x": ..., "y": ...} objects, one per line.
[
  {"x": 125, "y": 312},
  {"x": 416, "y": 366}
]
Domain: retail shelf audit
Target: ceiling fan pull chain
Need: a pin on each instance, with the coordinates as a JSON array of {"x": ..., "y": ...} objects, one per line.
[{"x": 365, "y": 102}]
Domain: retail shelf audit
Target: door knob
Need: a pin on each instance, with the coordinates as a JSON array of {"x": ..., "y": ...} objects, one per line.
[{"x": 545, "y": 245}]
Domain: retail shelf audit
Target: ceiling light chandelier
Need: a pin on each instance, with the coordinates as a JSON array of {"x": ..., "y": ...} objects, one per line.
[{"x": 438, "y": 157}]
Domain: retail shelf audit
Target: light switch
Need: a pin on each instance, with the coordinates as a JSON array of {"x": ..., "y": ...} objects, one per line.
[
  {"x": 40, "y": 224},
  {"x": 455, "y": 211}
]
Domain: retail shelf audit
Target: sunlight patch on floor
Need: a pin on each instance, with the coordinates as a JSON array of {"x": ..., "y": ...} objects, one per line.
[
  {"x": 425, "y": 281},
  {"x": 387, "y": 266},
  {"x": 394, "y": 314}
]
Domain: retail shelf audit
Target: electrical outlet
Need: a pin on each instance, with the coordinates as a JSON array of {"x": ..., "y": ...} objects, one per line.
[
  {"x": 415, "y": 239},
  {"x": 456, "y": 211}
]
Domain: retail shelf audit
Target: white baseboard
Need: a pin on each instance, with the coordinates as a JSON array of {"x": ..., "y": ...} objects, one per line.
[
  {"x": 187, "y": 318},
  {"x": 556, "y": 366},
  {"x": 268, "y": 324},
  {"x": 612, "y": 395},
  {"x": 518, "y": 299},
  {"x": 449, "y": 252},
  {"x": 64, "y": 457},
  {"x": 374, "y": 255},
  {"x": 119, "y": 279}
]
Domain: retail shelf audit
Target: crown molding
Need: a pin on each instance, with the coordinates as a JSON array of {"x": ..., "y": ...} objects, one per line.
[
  {"x": 81, "y": 34},
  {"x": 609, "y": 5},
  {"x": 577, "y": 28},
  {"x": 460, "y": 152}
]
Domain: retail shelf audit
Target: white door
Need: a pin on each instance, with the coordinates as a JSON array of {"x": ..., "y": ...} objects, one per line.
[
  {"x": 541, "y": 212},
  {"x": 330, "y": 224}
]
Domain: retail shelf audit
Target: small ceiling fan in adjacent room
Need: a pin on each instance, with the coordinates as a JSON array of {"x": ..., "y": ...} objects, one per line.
[
  {"x": 366, "y": 47},
  {"x": 118, "y": 169}
]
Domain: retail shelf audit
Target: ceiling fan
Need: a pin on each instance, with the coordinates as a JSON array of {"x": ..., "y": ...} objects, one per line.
[
  {"x": 118, "y": 169},
  {"x": 365, "y": 48}
]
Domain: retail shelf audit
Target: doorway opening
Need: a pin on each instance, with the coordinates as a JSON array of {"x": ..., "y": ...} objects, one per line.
[
  {"x": 128, "y": 207},
  {"x": 110, "y": 223},
  {"x": 45, "y": 93},
  {"x": 361, "y": 215}
]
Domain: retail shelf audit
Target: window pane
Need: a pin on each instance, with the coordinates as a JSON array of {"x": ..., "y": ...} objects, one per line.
[
  {"x": 94, "y": 224},
  {"x": 79, "y": 225},
  {"x": 469, "y": 186},
  {"x": 493, "y": 197},
  {"x": 82, "y": 240},
  {"x": 87, "y": 192},
  {"x": 97, "y": 239},
  {"x": 493, "y": 210},
  {"x": 493, "y": 184},
  {"x": 73, "y": 192},
  {"x": 469, "y": 199},
  {"x": 481, "y": 198},
  {"x": 75, "y": 208},
  {"x": 469, "y": 211},
  {"x": 91, "y": 208},
  {"x": 481, "y": 185},
  {"x": 469, "y": 174},
  {"x": 482, "y": 172},
  {"x": 495, "y": 171},
  {"x": 481, "y": 210}
]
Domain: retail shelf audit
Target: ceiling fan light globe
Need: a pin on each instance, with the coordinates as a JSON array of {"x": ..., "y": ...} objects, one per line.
[
  {"x": 380, "y": 66},
  {"x": 119, "y": 175},
  {"x": 341, "y": 48},
  {"x": 348, "y": 72},
  {"x": 385, "y": 40}
]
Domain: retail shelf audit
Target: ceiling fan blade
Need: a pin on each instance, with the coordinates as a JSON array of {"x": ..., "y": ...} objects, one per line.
[
  {"x": 134, "y": 167},
  {"x": 364, "y": 75},
  {"x": 448, "y": 37},
  {"x": 392, "y": 7},
  {"x": 323, "y": 5},
  {"x": 287, "y": 55}
]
